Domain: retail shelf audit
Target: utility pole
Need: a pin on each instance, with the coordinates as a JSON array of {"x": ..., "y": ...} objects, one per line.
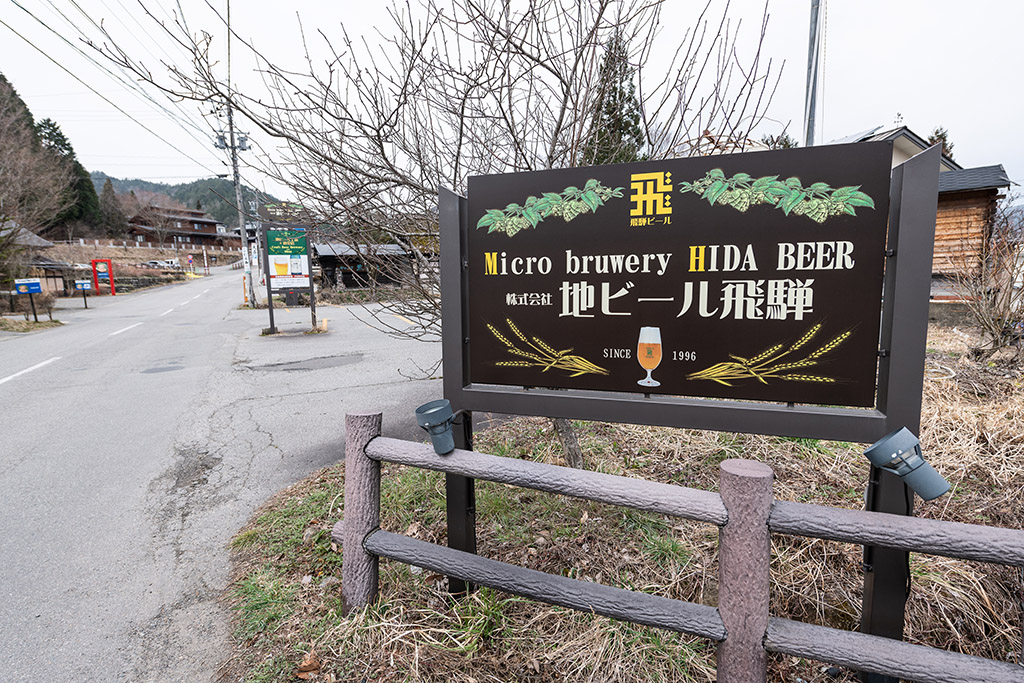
[
  {"x": 235, "y": 144},
  {"x": 242, "y": 230},
  {"x": 242, "y": 144}
]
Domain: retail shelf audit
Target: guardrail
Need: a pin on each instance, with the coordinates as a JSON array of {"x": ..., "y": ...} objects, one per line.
[{"x": 745, "y": 512}]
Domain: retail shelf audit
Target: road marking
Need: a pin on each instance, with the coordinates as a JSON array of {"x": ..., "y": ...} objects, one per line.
[
  {"x": 206, "y": 290},
  {"x": 402, "y": 317},
  {"x": 195, "y": 297},
  {"x": 183, "y": 303},
  {"x": 124, "y": 329},
  {"x": 34, "y": 367},
  {"x": 169, "y": 310}
]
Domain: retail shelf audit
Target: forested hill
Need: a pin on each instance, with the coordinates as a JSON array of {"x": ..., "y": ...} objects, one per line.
[{"x": 216, "y": 196}]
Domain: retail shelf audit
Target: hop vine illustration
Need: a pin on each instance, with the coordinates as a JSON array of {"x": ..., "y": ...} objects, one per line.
[
  {"x": 769, "y": 363},
  {"x": 818, "y": 201},
  {"x": 537, "y": 353},
  {"x": 567, "y": 205}
]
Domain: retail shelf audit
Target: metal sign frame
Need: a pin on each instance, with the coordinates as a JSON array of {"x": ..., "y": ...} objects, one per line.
[{"x": 913, "y": 198}]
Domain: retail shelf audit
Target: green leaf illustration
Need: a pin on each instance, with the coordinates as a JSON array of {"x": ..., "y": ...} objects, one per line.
[
  {"x": 790, "y": 202},
  {"x": 818, "y": 201},
  {"x": 860, "y": 199},
  {"x": 567, "y": 205},
  {"x": 715, "y": 191}
]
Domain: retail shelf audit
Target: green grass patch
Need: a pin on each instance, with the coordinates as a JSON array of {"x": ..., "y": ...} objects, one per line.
[{"x": 264, "y": 600}]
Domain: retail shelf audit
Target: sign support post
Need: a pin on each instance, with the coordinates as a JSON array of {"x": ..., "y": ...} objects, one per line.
[
  {"x": 460, "y": 500},
  {"x": 312, "y": 287},
  {"x": 83, "y": 285},
  {"x": 914, "y": 194},
  {"x": 460, "y": 492},
  {"x": 266, "y": 274},
  {"x": 32, "y": 302}
]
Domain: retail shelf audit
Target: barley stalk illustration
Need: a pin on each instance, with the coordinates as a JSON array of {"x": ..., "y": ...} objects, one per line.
[
  {"x": 539, "y": 354},
  {"x": 768, "y": 365}
]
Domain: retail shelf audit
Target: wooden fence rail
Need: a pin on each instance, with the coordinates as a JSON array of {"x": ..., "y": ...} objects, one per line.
[{"x": 745, "y": 513}]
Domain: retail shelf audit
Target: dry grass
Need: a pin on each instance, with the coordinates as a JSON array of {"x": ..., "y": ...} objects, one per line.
[
  {"x": 22, "y": 325},
  {"x": 973, "y": 431}
]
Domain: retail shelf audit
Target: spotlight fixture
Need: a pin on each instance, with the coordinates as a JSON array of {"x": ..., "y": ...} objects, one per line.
[{"x": 900, "y": 453}]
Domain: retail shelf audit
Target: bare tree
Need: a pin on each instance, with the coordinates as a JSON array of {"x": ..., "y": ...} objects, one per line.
[
  {"x": 469, "y": 87},
  {"x": 989, "y": 277},
  {"x": 35, "y": 184}
]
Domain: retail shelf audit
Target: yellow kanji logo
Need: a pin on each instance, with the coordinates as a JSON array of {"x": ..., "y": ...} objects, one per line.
[{"x": 651, "y": 193}]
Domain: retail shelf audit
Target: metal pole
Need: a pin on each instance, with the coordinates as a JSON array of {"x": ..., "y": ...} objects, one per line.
[
  {"x": 460, "y": 497},
  {"x": 811, "y": 96},
  {"x": 84, "y": 299},
  {"x": 312, "y": 287},
  {"x": 33, "y": 302},
  {"x": 266, "y": 274},
  {"x": 913, "y": 195}
]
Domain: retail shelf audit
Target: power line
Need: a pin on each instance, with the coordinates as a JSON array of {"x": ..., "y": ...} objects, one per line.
[
  {"x": 105, "y": 99},
  {"x": 131, "y": 87}
]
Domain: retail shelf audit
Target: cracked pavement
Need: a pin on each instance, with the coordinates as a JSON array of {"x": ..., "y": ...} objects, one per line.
[{"x": 131, "y": 460}]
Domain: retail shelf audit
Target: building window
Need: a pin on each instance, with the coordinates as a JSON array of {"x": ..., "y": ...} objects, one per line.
[
  {"x": 196, "y": 225},
  {"x": 177, "y": 224}
]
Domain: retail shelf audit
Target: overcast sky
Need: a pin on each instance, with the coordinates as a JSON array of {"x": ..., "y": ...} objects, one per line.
[{"x": 937, "y": 62}]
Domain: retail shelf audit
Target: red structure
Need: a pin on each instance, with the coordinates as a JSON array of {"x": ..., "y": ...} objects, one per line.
[{"x": 102, "y": 269}]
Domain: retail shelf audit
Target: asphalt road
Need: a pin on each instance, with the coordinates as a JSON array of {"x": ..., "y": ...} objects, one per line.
[{"x": 137, "y": 438}]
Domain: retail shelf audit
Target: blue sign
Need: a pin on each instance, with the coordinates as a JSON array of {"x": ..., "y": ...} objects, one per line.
[
  {"x": 102, "y": 275},
  {"x": 29, "y": 285},
  {"x": 83, "y": 284}
]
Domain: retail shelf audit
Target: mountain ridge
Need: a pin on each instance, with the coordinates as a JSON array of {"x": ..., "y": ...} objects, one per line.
[{"x": 216, "y": 196}]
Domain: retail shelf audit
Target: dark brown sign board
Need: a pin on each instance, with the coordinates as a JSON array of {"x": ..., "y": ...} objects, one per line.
[
  {"x": 736, "y": 292},
  {"x": 529, "y": 336}
]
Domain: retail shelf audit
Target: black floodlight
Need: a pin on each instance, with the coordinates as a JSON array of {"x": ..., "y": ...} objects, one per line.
[
  {"x": 436, "y": 417},
  {"x": 900, "y": 452}
]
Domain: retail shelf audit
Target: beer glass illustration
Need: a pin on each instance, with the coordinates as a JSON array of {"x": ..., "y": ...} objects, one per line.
[
  {"x": 280, "y": 265},
  {"x": 648, "y": 354}
]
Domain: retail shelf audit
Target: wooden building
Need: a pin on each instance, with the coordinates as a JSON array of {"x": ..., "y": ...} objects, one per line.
[
  {"x": 182, "y": 228},
  {"x": 966, "y": 203},
  {"x": 966, "y": 214}
]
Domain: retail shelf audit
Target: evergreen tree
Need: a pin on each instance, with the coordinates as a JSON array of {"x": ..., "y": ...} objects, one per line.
[
  {"x": 112, "y": 218},
  {"x": 53, "y": 138},
  {"x": 11, "y": 101},
  {"x": 941, "y": 135},
  {"x": 86, "y": 206},
  {"x": 615, "y": 135}
]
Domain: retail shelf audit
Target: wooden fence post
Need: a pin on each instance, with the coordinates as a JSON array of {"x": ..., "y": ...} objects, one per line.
[
  {"x": 744, "y": 557},
  {"x": 362, "y": 512}
]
